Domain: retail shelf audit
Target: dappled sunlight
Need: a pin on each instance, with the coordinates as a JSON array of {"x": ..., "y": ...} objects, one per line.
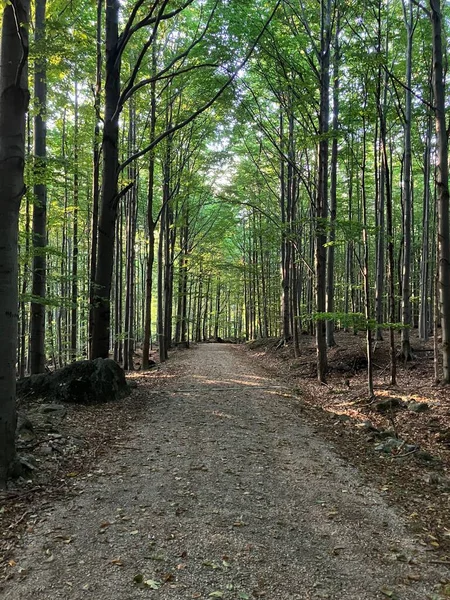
[{"x": 224, "y": 382}]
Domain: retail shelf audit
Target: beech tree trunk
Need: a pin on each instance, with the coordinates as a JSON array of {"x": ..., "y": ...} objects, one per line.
[
  {"x": 95, "y": 170},
  {"x": 425, "y": 312},
  {"x": 13, "y": 107},
  {"x": 333, "y": 193},
  {"x": 442, "y": 187},
  {"x": 108, "y": 209},
  {"x": 76, "y": 190},
  {"x": 37, "y": 343},
  {"x": 407, "y": 191},
  {"x": 322, "y": 195}
]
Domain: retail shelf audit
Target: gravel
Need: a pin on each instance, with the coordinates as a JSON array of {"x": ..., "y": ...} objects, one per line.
[{"x": 222, "y": 491}]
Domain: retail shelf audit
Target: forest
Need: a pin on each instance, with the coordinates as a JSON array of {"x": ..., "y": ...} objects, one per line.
[{"x": 177, "y": 171}]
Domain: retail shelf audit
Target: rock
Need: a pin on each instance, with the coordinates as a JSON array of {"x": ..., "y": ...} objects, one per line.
[
  {"x": 86, "y": 382},
  {"x": 417, "y": 407},
  {"x": 23, "y": 423},
  {"x": 28, "y": 463},
  {"x": 444, "y": 436},
  {"x": 385, "y": 434},
  {"x": 426, "y": 456},
  {"x": 53, "y": 410},
  {"x": 343, "y": 418},
  {"x": 367, "y": 425},
  {"x": 24, "y": 429},
  {"x": 389, "y": 404},
  {"x": 388, "y": 445}
]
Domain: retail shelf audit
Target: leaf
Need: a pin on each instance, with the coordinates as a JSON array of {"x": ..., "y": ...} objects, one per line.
[
  {"x": 243, "y": 596},
  {"x": 153, "y": 584},
  {"x": 216, "y": 594}
]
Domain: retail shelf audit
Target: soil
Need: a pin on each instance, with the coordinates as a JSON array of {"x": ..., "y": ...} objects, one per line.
[{"x": 216, "y": 479}]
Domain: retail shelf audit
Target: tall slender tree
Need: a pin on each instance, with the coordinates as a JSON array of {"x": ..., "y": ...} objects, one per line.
[
  {"x": 37, "y": 344},
  {"x": 13, "y": 107}
]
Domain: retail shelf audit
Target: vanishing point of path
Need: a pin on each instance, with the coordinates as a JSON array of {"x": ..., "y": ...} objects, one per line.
[{"x": 222, "y": 491}]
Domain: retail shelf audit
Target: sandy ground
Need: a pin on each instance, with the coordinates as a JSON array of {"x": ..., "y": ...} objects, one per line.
[{"x": 223, "y": 491}]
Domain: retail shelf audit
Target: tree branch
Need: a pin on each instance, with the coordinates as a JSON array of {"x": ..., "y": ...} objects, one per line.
[{"x": 208, "y": 104}]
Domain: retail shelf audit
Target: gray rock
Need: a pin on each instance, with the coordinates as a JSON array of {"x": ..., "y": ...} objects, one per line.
[
  {"x": 389, "y": 404},
  {"x": 417, "y": 407},
  {"x": 426, "y": 456},
  {"x": 388, "y": 445},
  {"x": 23, "y": 423},
  {"x": 53, "y": 410},
  {"x": 85, "y": 382}
]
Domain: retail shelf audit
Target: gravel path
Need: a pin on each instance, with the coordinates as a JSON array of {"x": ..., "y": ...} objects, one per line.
[{"x": 222, "y": 492}]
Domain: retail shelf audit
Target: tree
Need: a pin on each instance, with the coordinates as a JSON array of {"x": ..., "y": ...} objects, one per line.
[
  {"x": 443, "y": 198},
  {"x": 13, "y": 106},
  {"x": 37, "y": 344}
]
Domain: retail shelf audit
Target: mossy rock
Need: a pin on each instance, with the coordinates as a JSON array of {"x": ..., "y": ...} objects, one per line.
[{"x": 84, "y": 382}]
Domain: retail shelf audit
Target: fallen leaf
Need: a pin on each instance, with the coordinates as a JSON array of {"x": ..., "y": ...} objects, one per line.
[
  {"x": 389, "y": 594},
  {"x": 152, "y": 584},
  {"x": 216, "y": 594}
]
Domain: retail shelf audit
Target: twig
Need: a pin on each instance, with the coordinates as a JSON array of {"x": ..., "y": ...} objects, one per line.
[
  {"x": 406, "y": 453},
  {"x": 27, "y": 512}
]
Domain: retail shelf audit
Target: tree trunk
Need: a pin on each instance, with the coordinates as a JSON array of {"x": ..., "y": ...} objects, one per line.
[
  {"x": 151, "y": 224},
  {"x": 333, "y": 193},
  {"x": 424, "y": 314},
  {"x": 442, "y": 187},
  {"x": 406, "y": 352},
  {"x": 322, "y": 195},
  {"x": 390, "y": 247},
  {"x": 108, "y": 209},
  {"x": 96, "y": 170},
  {"x": 13, "y": 107},
  {"x": 74, "y": 311},
  {"x": 37, "y": 344}
]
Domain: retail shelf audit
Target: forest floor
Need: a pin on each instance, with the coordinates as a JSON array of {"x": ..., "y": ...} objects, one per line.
[{"x": 218, "y": 478}]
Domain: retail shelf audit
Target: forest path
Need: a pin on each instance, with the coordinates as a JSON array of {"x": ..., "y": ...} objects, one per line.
[{"x": 222, "y": 491}]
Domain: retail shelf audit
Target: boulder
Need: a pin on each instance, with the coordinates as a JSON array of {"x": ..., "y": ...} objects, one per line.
[
  {"x": 417, "y": 407},
  {"x": 389, "y": 404},
  {"x": 84, "y": 382}
]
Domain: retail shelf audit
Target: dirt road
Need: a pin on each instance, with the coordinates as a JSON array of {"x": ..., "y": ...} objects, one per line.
[{"x": 223, "y": 491}]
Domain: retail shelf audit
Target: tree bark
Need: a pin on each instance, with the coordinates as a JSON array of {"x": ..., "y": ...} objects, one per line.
[
  {"x": 406, "y": 352},
  {"x": 74, "y": 311},
  {"x": 442, "y": 187},
  {"x": 333, "y": 193},
  {"x": 95, "y": 170},
  {"x": 322, "y": 196},
  {"x": 37, "y": 343},
  {"x": 108, "y": 209},
  {"x": 13, "y": 107}
]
